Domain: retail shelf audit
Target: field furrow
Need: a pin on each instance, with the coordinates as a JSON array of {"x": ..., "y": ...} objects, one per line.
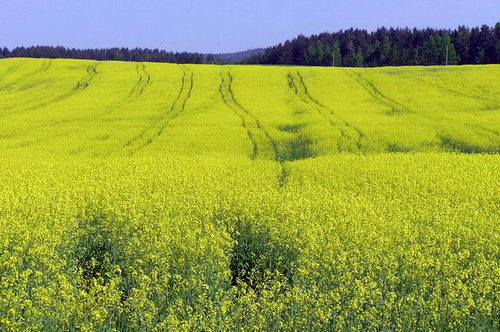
[
  {"x": 10, "y": 70},
  {"x": 142, "y": 83},
  {"x": 251, "y": 124},
  {"x": 159, "y": 124},
  {"x": 395, "y": 107},
  {"x": 46, "y": 64},
  {"x": 350, "y": 136},
  {"x": 80, "y": 86}
]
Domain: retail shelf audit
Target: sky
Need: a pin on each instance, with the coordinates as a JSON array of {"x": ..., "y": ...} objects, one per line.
[{"x": 216, "y": 26}]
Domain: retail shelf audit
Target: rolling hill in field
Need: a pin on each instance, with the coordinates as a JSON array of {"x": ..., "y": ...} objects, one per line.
[
  {"x": 70, "y": 107},
  {"x": 158, "y": 197},
  {"x": 237, "y": 57}
]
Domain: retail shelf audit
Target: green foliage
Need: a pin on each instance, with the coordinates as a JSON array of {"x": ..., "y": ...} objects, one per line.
[
  {"x": 388, "y": 47},
  {"x": 257, "y": 258}
]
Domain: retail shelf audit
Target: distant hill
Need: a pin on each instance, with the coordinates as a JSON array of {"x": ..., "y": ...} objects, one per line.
[
  {"x": 237, "y": 57},
  {"x": 126, "y": 54}
]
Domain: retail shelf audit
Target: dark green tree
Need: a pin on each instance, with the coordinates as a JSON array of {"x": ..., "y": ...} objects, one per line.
[{"x": 315, "y": 54}]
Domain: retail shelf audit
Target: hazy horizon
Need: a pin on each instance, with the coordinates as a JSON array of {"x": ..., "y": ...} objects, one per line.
[{"x": 220, "y": 26}]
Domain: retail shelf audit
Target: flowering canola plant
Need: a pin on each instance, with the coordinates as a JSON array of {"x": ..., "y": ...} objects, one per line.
[{"x": 163, "y": 197}]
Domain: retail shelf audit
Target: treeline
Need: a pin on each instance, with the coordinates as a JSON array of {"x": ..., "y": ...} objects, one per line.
[
  {"x": 388, "y": 47},
  {"x": 352, "y": 48},
  {"x": 118, "y": 54}
]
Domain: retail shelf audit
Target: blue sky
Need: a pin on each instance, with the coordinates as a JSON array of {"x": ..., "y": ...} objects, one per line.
[{"x": 218, "y": 25}]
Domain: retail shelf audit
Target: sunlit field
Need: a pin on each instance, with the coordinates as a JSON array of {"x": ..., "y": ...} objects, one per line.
[{"x": 144, "y": 196}]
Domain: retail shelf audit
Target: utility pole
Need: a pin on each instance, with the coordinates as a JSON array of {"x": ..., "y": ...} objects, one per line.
[
  {"x": 333, "y": 62},
  {"x": 447, "y": 46}
]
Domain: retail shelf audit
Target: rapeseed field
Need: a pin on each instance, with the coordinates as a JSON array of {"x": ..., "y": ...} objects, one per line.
[{"x": 153, "y": 197}]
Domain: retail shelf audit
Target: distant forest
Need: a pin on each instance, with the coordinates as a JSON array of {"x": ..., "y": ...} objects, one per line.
[
  {"x": 118, "y": 54},
  {"x": 350, "y": 48},
  {"x": 388, "y": 47}
]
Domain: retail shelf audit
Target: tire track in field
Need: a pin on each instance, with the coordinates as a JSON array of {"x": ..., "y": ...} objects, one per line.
[
  {"x": 395, "y": 107},
  {"x": 10, "y": 70},
  {"x": 454, "y": 92},
  {"x": 300, "y": 89},
  {"x": 491, "y": 131},
  {"x": 440, "y": 87},
  {"x": 236, "y": 110},
  {"x": 248, "y": 120},
  {"x": 152, "y": 132},
  {"x": 46, "y": 65},
  {"x": 382, "y": 99},
  {"x": 137, "y": 90},
  {"x": 80, "y": 86},
  {"x": 43, "y": 68},
  {"x": 143, "y": 82}
]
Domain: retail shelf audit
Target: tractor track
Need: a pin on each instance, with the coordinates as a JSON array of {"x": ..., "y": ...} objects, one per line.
[
  {"x": 178, "y": 106},
  {"x": 137, "y": 90},
  {"x": 10, "y": 70},
  {"x": 300, "y": 89},
  {"x": 257, "y": 122},
  {"x": 395, "y": 107},
  {"x": 296, "y": 82},
  {"x": 229, "y": 99},
  {"x": 80, "y": 86},
  {"x": 143, "y": 82},
  {"x": 227, "y": 94},
  {"x": 382, "y": 99},
  {"x": 43, "y": 68},
  {"x": 483, "y": 129},
  {"x": 452, "y": 91},
  {"x": 46, "y": 65},
  {"x": 84, "y": 83}
]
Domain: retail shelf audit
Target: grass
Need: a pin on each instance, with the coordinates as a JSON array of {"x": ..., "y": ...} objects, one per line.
[{"x": 196, "y": 197}]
